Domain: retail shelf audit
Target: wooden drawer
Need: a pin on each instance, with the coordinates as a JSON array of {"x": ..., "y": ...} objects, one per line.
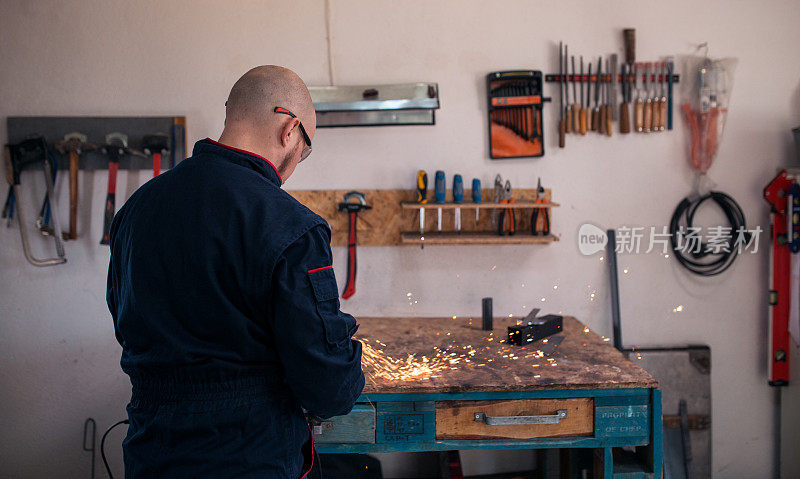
[
  {"x": 356, "y": 427},
  {"x": 514, "y": 418}
]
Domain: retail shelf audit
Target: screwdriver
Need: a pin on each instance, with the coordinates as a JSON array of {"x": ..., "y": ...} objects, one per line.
[
  {"x": 422, "y": 197},
  {"x": 458, "y": 197},
  {"x": 476, "y": 195},
  {"x": 583, "y": 104},
  {"x": 440, "y": 194}
]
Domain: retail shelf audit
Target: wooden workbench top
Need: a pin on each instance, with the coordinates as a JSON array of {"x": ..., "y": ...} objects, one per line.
[{"x": 446, "y": 355}]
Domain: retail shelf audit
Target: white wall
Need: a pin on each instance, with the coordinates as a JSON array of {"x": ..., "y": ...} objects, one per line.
[{"x": 59, "y": 356}]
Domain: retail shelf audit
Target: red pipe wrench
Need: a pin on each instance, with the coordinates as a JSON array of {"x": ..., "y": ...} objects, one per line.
[
  {"x": 784, "y": 219},
  {"x": 352, "y": 209}
]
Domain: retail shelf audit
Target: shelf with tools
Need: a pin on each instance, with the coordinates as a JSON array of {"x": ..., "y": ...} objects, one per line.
[
  {"x": 476, "y": 237},
  {"x": 394, "y": 219},
  {"x": 472, "y": 237}
]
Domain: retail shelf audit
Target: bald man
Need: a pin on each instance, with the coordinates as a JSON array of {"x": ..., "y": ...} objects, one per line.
[{"x": 225, "y": 303}]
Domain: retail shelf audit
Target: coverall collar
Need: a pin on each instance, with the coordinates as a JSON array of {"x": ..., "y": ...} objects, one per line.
[{"x": 258, "y": 162}]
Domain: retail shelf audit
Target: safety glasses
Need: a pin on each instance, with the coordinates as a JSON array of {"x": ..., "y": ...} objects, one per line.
[{"x": 307, "y": 149}]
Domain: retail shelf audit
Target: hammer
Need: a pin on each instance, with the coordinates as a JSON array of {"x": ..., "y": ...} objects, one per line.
[
  {"x": 156, "y": 145},
  {"x": 353, "y": 209},
  {"x": 74, "y": 144}
]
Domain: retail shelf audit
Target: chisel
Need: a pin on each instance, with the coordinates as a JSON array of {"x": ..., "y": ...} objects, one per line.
[
  {"x": 662, "y": 103},
  {"x": 596, "y": 111},
  {"x": 561, "y": 125},
  {"x": 476, "y": 196},
  {"x": 638, "y": 109},
  {"x": 656, "y": 99},
  {"x": 591, "y": 123},
  {"x": 629, "y": 36},
  {"x": 440, "y": 195},
  {"x": 601, "y": 110},
  {"x": 458, "y": 198},
  {"x": 422, "y": 197},
  {"x": 624, "y": 107},
  {"x": 583, "y": 104},
  {"x": 567, "y": 109},
  {"x": 648, "y": 101},
  {"x": 611, "y": 71},
  {"x": 576, "y": 114},
  {"x": 670, "y": 68},
  {"x": 609, "y": 105}
]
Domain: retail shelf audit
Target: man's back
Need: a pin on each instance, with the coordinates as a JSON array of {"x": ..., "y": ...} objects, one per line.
[{"x": 227, "y": 311}]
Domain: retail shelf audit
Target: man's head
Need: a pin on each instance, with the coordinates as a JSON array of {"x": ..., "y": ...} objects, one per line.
[{"x": 267, "y": 110}]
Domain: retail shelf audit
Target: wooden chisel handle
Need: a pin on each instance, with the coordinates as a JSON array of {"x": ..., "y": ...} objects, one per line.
[
  {"x": 648, "y": 116},
  {"x": 576, "y": 118},
  {"x": 73, "y": 196},
  {"x": 638, "y": 115},
  {"x": 561, "y": 133},
  {"x": 583, "y": 121},
  {"x": 601, "y": 120},
  {"x": 662, "y": 106},
  {"x": 568, "y": 120},
  {"x": 609, "y": 121},
  {"x": 593, "y": 124},
  {"x": 656, "y": 114},
  {"x": 624, "y": 118}
]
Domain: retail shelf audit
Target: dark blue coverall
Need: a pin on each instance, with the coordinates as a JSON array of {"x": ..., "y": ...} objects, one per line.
[{"x": 226, "y": 306}]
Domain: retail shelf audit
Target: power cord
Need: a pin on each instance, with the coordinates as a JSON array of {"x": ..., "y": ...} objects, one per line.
[
  {"x": 103, "y": 446},
  {"x": 720, "y": 260}
]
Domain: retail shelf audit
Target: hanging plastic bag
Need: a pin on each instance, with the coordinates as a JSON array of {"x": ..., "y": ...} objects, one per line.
[{"x": 704, "y": 101}]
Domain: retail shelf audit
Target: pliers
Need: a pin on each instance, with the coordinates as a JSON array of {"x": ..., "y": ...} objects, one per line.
[
  {"x": 540, "y": 218},
  {"x": 503, "y": 195}
]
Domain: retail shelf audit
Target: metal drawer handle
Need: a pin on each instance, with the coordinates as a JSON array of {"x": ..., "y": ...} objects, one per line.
[{"x": 515, "y": 420}]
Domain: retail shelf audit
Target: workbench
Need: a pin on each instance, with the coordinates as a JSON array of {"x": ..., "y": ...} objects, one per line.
[{"x": 436, "y": 384}]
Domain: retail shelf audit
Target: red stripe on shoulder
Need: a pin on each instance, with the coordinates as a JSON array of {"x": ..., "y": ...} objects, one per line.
[{"x": 319, "y": 269}]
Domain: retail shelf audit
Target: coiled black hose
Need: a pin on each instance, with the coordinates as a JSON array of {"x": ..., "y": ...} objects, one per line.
[{"x": 703, "y": 260}]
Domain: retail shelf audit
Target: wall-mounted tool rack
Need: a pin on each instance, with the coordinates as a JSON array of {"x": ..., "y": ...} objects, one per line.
[
  {"x": 394, "y": 218},
  {"x": 53, "y": 128}
]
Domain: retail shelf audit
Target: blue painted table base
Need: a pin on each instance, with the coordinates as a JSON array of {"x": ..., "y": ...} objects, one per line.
[{"x": 406, "y": 422}]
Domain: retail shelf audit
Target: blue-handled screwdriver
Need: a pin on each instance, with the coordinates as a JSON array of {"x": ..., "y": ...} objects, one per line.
[
  {"x": 458, "y": 197},
  {"x": 440, "y": 194},
  {"x": 476, "y": 195}
]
